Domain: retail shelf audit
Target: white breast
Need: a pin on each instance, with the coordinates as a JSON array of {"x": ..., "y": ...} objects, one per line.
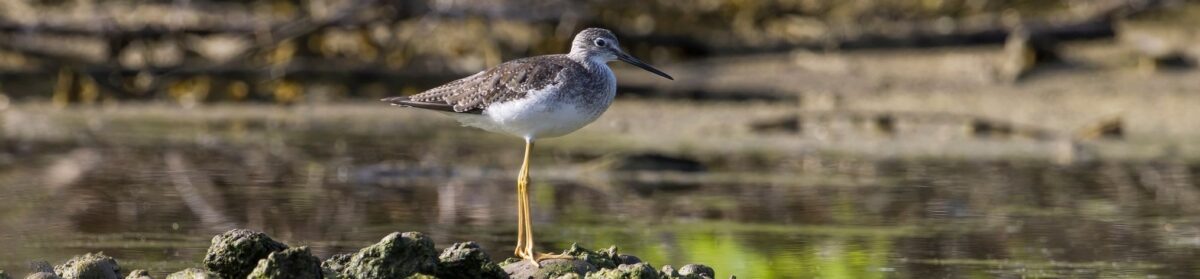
[
  {"x": 551, "y": 112},
  {"x": 537, "y": 116}
]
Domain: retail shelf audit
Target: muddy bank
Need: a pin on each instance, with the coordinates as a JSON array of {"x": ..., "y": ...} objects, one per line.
[
  {"x": 725, "y": 136},
  {"x": 241, "y": 253}
]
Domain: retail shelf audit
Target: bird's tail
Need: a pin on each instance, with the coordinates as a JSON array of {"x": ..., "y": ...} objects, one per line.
[{"x": 398, "y": 100}]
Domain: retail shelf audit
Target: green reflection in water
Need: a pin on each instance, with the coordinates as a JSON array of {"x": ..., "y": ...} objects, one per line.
[
  {"x": 779, "y": 251},
  {"x": 731, "y": 249}
]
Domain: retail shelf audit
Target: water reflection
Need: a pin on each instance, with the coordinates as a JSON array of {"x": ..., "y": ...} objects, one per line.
[{"x": 156, "y": 207}]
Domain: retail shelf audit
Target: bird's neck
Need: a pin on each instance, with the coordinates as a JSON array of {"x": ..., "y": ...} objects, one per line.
[
  {"x": 592, "y": 63},
  {"x": 598, "y": 66},
  {"x": 578, "y": 54}
]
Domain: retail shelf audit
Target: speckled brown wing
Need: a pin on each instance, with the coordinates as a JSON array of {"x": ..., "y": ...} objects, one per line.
[{"x": 505, "y": 82}]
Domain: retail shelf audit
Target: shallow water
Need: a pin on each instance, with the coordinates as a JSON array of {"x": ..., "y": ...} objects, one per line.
[{"x": 156, "y": 206}]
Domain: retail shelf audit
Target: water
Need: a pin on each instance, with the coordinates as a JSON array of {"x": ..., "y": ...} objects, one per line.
[{"x": 155, "y": 206}]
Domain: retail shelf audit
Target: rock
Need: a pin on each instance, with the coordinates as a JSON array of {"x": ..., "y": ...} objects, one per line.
[
  {"x": 193, "y": 273},
  {"x": 40, "y": 266},
  {"x": 43, "y": 275},
  {"x": 335, "y": 264},
  {"x": 626, "y": 271},
  {"x": 89, "y": 266},
  {"x": 396, "y": 256},
  {"x": 668, "y": 272},
  {"x": 139, "y": 274},
  {"x": 235, "y": 253},
  {"x": 467, "y": 260},
  {"x": 556, "y": 268},
  {"x": 602, "y": 259},
  {"x": 399, "y": 255},
  {"x": 694, "y": 271},
  {"x": 628, "y": 259},
  {"x": 697, "y": 271},
  {"x": 586, "y": 261},
  {"x": 289, "y": 263}
]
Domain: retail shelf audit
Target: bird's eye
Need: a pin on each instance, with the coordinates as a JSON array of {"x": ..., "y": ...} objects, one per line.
[{"x": 601, "y": 42}]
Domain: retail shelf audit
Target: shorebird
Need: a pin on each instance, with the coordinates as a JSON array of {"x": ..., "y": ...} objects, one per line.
[{"x": 534, "y": 98}]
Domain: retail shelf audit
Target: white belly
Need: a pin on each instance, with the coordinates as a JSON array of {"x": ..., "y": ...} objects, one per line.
[{"x": 537, "y": 116}]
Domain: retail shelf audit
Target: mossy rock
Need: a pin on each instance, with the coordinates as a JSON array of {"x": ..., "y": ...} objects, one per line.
[
  {"x": 697, "y": 270},
  {"x": 690, "y": 271},
  {"x": 556, "y": 268},
  {"x": 40, "y": 266},
  {"x": 333, "y": 266},
  {"x": 626, "y": 271},
  {"x": 234, "y": 254},
  {"x": 602, "y": 259},
  {"x": 139, "y": 274},
  {"x": 628, "y": 259},
  {"x": 43, "y": 275},
  {"x": 396, "y": 256},
  {"x": 467, "y": 260},
  {"x": 193, "y": 273},
  {"x": 296, "y": 263},
  {"x": 89, "y": 266}
]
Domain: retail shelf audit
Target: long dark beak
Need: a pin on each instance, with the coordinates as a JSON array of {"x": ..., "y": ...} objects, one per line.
[{"x": 631, "y": 60}]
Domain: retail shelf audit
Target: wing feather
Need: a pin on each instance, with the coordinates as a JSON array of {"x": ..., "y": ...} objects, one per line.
[{"x": 505, "y": 82}]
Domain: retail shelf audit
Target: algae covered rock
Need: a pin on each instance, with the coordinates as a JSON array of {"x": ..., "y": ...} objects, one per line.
[
  {"x": 40, "y": 266},
  {"x": 334, "y": 265},
  {"x": 626, "y": 271},
  {"x": 628, "y": 259},
  {"x": 691, "y": 271},
  {"x": 556, "y": 268},
  {"x": 597, "y": 264},
  {"x": 396, "y": 256},
  {"x": 668, "y": 271},
  {"x": 697, "y": 271},
  {"x": 41, "y": 270},
  {"x": 247, "y": 254},
  {"x": 43, "y": 275},
  {"x": 139, "y": 274},
  {"x": 193, "y": 273},
  {"x": 89, "y": 266},
  {"x": 289, "y": 263},
  {"x": 467, "y": 260},
  {"x": 602, "y": 259},
  {"x": 235, "y": 253}
]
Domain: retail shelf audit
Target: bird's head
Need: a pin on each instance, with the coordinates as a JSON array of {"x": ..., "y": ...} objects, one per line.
[{"x": 600, "y": 45}]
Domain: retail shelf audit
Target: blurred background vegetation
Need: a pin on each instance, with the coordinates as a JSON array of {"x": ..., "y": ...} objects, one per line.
[
  {"x": 195, "y": 52},
  {"x": 1079, "y": 70}
]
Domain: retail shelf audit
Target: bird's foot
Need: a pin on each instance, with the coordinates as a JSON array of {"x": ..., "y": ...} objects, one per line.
[{"x": 537, "y": 258}]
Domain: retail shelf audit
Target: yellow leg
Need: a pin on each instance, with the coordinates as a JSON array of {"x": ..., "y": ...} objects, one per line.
[
  {"x": 520, "y": 217},
  {"x": 524, "y": 219},
  {"x": 528, "y": 217},
  {"x": 524, "y": 235}
]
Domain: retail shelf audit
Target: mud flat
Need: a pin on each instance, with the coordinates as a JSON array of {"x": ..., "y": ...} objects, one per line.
[{"x": 724, "y": 136}]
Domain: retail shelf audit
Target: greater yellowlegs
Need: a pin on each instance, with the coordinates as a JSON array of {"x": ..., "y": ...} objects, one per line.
[{"x": 534, "y": 98}]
